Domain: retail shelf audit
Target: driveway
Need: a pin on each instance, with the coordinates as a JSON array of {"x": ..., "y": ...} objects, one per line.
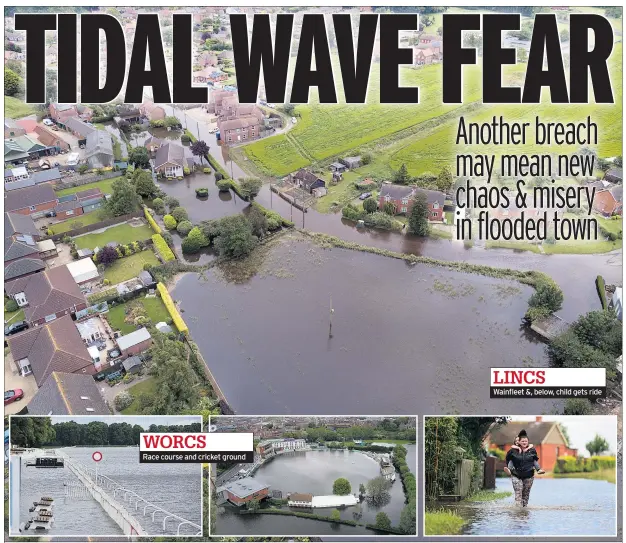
[{"x": 13, "y": 380}]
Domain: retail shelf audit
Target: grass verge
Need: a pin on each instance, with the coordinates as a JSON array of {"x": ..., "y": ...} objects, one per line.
[
  {"x": 600, "y": 475},
  {"x": 442, "y": 523},
  {"x": 15, "y": 108},
  {"x": 488, "y": 496},
  {"x": 122, "y": 234}
]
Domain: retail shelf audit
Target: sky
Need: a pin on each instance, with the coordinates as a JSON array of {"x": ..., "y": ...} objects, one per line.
[
  {"x": 144, "y": 421},
  {"x": 582, "y": 429}
]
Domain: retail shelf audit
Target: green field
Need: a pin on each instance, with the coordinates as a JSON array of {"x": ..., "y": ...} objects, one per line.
[
  {"x": 154, "y": 308},
  {"x": 128, "y": 267},
  {"x": 16, "y": 109},
  {"x": 104, "y": 186},
  {"x": 122, "y": 234},
  {"x": 84, "y": 220}
]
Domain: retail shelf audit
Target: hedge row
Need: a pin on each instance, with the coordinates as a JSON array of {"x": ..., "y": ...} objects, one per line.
[
  {"x": 573, "y": 464},
  {"x": 171, "y": 308},
  {"x": 102, "y": 296},
  {"x": 290, "y": 513},
  {"x": 601, "y": 286},
  {"x": 151, "y": 221},
  {"x": 269, "y": 213},
  {"x": 163, "y": 248}
]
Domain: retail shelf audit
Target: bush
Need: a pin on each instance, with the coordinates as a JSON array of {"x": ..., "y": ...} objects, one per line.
[
  {"x": 202, "y": 192},
  {"x": 170, "y": 222},
  {"x": 370, "y": 205},
  {"x": 194, "y": 241},
  {"x": 184, "y": 227},
  {"x": 151, "y": 221},
  {"x": 82, "y": 169},
  {"x": 342, "y": 487},
  {"x": 185, "y": 138},
  {"x": 49, "y": 232},
  {"x": 207, "y": 170},
  {"x": 547, "y": 298},
  {"x": 186, "y": 170},
  {"x": 66, "y": 239},
  {"x": 11, "y": 306},
  {"x": 123, "y": 400},
  {"x": 171, "y": 308},
  {"x": 162, "y": 248},
  {"x": 379, "y": 220},
  {"x": 106, "y": 282},
  {"x": 223, "y": 185},
  {"x": 158, "y": 205},
  {"x": 352, "y": 213},
  {"x": 171, "y": 202},
  {"x": 601, "y": 287},
  {"x": 274, "y": 220},
  {"x": 179, "y": 214},
  {"x": 577, "y": 406}
]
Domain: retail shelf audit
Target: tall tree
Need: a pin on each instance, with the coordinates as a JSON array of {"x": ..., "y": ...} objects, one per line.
[
  {"x": 444, "y": 180},
  {"x": 418, "y": 215},
  {"x": 144, "y": 185},
  {"x": 200, "y": 148},
  {"x": 402, "y": 175},
  {"x": 383, "y": 521},
  {"x": 12, "y": 82},
  {"x": 139, "y": 157},
  {"x": 342, "y": 487},
  {"x": 250, "y": 187},
  {"x": 123, "y": 198},
  {"x": 235, "y": 237},
  {"x": 597, "y": 445}
]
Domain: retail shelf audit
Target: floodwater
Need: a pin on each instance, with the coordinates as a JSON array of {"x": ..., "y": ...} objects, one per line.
[
  {"x": 174, "y": 487},
  {"x": 557, "y": 507},
  {"x": 405, "y": 339},
  {"x": 314, "y": 472}
]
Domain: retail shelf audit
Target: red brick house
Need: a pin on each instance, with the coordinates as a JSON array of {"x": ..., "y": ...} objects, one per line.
[
  {"x": 56, "y": 346},
  {"x": 222, "y": 102},
  {"x": 547, "y": 437},
  {"x": 151, "y": 111},
  {"x": 242, "y": 491},
  {"x": 243, "y": 128},
  {"x": 47, "y": 296},
  {"x": 427, "y": 55},
  {"x": 609, "y": 202},
  {"x": 62, "y": 112},
  {"x": 69, "y": 209},
  {"x": 402, "y": 196},
  {"x": 33, "y": 201}
]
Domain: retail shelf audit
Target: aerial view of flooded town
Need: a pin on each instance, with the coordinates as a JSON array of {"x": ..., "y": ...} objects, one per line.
[
  {"x": 318, "y": 475},
  {"x": 226, "y": 257}
]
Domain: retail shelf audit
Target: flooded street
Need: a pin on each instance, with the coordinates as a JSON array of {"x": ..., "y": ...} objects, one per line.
[
  {"x": 565, "y": 507},
  {"x": 405, "y": 339},
  {"x": 314, "y": 472}
]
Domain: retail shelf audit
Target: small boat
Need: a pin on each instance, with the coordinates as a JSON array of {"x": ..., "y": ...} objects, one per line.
[{"x": 41, "y": 523}]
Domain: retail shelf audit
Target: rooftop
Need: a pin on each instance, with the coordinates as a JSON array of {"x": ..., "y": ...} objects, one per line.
[
  {"x": 242, "y": 488},
  {"x": 134, "y": 338}
]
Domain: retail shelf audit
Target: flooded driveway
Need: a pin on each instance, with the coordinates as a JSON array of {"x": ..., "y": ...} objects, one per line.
[
  {"x": 565, "y": 507},
  {"x": 405, "y": 339}
]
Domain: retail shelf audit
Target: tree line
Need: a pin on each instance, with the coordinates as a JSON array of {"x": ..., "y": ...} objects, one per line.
[{"x": 40, "y": 432}]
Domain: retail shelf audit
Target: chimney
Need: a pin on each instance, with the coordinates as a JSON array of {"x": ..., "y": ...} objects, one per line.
[{"x": 539, "y": 419}]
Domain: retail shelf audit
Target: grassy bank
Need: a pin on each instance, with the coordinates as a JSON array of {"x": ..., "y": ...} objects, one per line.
[
  {"x": 442, "y": 523},
  {"x": 15, "y": 108},
  {"x": 487, "y": 496},
  {"x": 600, "y": 475}
]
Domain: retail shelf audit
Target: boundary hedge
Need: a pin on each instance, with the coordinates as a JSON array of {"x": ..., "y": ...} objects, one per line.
[
  {"x": 151, "y": 221},
  {"x": 161, "y": 247},
  {"x": 171, "y": 308}
]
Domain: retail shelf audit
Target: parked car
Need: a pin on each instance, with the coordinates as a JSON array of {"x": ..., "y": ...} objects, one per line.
[
  {"x": 11, "y": 396},
  {"x": 15, "y": 328},
  {"x": 213, "y": 130},
  {"x": 365, "y": 196},
  {"x": 294, "y": 120},
  {"x": 272, "y": 106},
  {"x": 51, "y": 214},
  {"x": 47, "y": 122}
]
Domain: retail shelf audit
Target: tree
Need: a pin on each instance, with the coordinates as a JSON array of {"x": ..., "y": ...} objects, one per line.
[
  {"x": 418, "y": 215},
  {"x": 253, "y": 505},
  {"x": 171, "y": 202},
  {"x": 577, "y": 406},
  {"x": 335, "y": 516},
  {"x": 617, "y": 161},
  {"x": 402, "y": 175},
  {"x": 601, "y": 330},
  {"x": 12, "y": 82},
  {"x": 370, "y": 205},
  {"x": 184, "y": 227},
  {"x": 123, "y": 198},
  {"x": 597, "y": 445},
  {"x": 389, "y": 208},
  {"x": 107, "y": 255},
  {"x": 250, "y": 187},
  {"x": 158, "y": 205},
  {"x": 407, "y": 518},
  {"x": 144, "y": 185},
  {"x": 564, "y": 35},
  {"x": 289, "y": 109},
  {"x": 377, "y": 490},
  {"x": 361, "y": 489},
  {"x": 194, "y": 241},
  {"x": 258, "y": 221},
  {"x": 180, "y": 214},
  {"x": 342, "y": 487},
  {"x": 547, "y": 295},
  {"x": 383, "y": 521},
  {"x": 200, "y": 148},
  {"x": 170, "y": 222},
  {"x": 444, "y": 180},
  {"x": 171, "y": 122},
  {"x": 139, "y": 157},
  {"x": 235, "y": 237}
]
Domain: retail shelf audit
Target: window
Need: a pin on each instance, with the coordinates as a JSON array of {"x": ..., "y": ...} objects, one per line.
[
  {"x": 434, "y": 213},
  {"x": 20, "y": 298},
  {"x": 243, "y": 137},
  {"x": 436, "y": 205},
  {"x": 31, "y": 208},
  {"x": 50, "y": 318},
  {"x": 387, "y": 198},
  {"x": 70, "y": 212},
  {"x": 404, "y": 209},
  {"x": 24, "y": 366}
]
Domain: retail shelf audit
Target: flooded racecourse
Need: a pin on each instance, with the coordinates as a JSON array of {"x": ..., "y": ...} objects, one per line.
[
  {"x": 405, "y": 338},
  {"x": 557, "y": 507}
]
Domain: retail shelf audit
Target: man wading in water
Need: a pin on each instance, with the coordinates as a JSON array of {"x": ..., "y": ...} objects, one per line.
[{"x": 525, "y": 460}]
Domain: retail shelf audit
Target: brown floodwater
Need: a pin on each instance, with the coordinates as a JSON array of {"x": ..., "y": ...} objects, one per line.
[{"x": 405, "y": 339}]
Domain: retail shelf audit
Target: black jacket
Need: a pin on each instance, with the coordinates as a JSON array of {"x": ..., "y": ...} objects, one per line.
[{"x": 523, "y": 462}]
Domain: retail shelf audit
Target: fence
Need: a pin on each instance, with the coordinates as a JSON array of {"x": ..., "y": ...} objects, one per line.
[
  {"x": 97, "y": 226},
  {"x": 80, "y": 180}
]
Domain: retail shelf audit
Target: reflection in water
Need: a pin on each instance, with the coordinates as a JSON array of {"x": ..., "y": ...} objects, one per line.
[{"x": 567, "y": 507}]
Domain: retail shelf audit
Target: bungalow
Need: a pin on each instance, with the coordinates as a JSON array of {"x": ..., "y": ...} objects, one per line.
[
  {"x": 609, "y": 202},
  {"x": 33, "y": 201},
  {"x": 402, "y": 197},
  {"x": 99, "y": 150},
  {"x": 134, "y": 343},
  {"x": 306, "y": 180},
  {"x": 47, "y": 296},
  {"x": 547, "y": 437},
  {"x": 68, "y": 394},
  {"x": 53, "y": 347},
  {"x": 297, "y": 499},
  {"x": 151, "y": 111},
  {"x": 170, "y": 160},
  {"x": 51, "y": 139},
  {"x": 614, "y": 175}
]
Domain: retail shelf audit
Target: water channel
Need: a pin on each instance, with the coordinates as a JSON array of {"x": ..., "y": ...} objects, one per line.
[
  {"x": 557, "y": 507},
  {"x": 314, "y": 472}
]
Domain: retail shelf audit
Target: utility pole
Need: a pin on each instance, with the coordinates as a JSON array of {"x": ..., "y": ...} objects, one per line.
[
  {"x": 303, "y": 210},
  {"x": 271, "y": 197},
  {"x": 330, "y": 326}
]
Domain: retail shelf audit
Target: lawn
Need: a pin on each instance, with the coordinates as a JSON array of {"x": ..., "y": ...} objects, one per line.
[
  {"x": 16, "y": 109},
  {"x": 342, "y": 193},
  {"x": 104, "y": 186},
  {"x": 130, "y": 266},
  {"x": 145, "y": 387},
  {"x": 154, "y": 307},
  {"x": 84, "y": 220},
  {"x": 442, "y": 523},
  {"x": 11, "y": 317},
  {"x": 610, "y": 225},
  {"x": 122, "y": 234}
]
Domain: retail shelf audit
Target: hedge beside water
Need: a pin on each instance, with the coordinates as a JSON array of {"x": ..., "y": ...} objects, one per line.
[
  {"x": 163, "y": 248},
  {"x": 151, "y": 221},
  {"x": 171, "y": 308},
  {"x": 572, "y": 464},
  {"x": 289, "y": 513}
]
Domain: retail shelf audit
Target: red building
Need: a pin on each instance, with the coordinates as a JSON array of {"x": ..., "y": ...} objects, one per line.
[
  {"x": 547, "y": 437},
  {"x": 402, "y": 196},
  {"x": 33, "y": 201},
  {"x": 609, "y": 202}
]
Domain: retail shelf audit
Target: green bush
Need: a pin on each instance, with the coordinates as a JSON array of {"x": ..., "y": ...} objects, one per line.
[
  {"x": 202, "y": 192},
  {"x": 162, "y": 248},
  {"x": 170, "y": 222},
  {"x": 194, "y": 241},
  {"x": 123, "y": 400},
  {"x": 577, "y": 406},
  {"x": 223, "y": 185},
  {"x": 184, "y": 227},
  {"x": 207, "y": 170},
  {"x": 158, "y": 205},
  {"x": 186, "y": 170},
  {"x": 179, "y": 214},
  {"x": 352, "y": 213},
  {"x": 185, "y": 138},
  {"x": 601, "y": 287},
  {"x": 547, "y": 298},
  {"x": 379, "y": 220},
  {"x": 11, "y": 306},
  {"x": 572, "y": 464}
]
